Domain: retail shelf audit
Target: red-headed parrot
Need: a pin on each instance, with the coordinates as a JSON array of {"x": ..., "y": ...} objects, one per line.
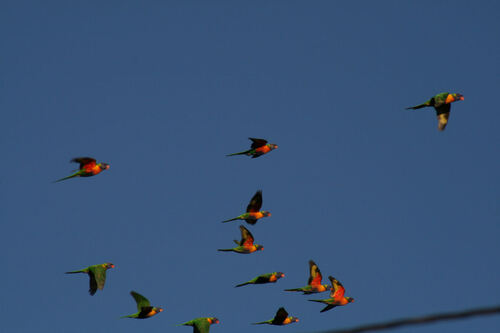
[
  {"x": 264, "y": 278},
  {"x": 246, "y": 244},
  {"x": 88, "y": 167},
  {"x": 281, "y": 318},
  {"x": 145, "y": 310},
  {"x": 259, "y": 147},
  {"x": 336, "y": 296},
  {"x": 253, "y": 213},
  {"x": 201, "y": 325},
  {"x": 314, "y": 282},
  {"x": 97, "y": 275},
  {"x": 441, "y": 102}
]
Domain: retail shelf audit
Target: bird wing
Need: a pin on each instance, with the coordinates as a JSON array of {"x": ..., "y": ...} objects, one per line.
[
  {"x": 256, "y": 143},
  {"x": 246, "y": 237},
  {"x": 84, "y": 161},
  {"x": 314, "y": 274},
  {"x": 256, "y": 203},
  {"x": 201, "y": 326},
  {"x": 443, "y": 113},
  {"x": 281, "y": 315},
  {"x": 141, "y": 301},
  {"x": 99, "y": 275},
  {"x": 338, "y": 289},
  {"x": 92, "y": 283}
]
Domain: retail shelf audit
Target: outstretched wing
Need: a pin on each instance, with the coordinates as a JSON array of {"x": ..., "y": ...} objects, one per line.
[
  {"x": 141, "y": 301},
  {"x": 256, "y": 143},
  {"x": 338, "y": 289},
  {"x": 281, "y": 315},
  {"x": 314, "y": 274},
  {"x": 84, "y": 161},
  {"x": 246, "y": 237},
  {"x": 256, "y": 202},
  {"x": 201, "y": 326},
  {"x": 443, "y": 113},
  {"x": 92, "y": 284}
]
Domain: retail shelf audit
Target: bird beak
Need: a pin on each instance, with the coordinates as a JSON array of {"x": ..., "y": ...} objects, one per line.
[
  {"x": 461, "y": 98},
  {"x": 216, "y": 321},
  {"x": 112, "y": 266}
]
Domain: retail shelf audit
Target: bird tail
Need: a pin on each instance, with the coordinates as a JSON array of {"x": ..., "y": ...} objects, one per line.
[
  {"x": 76, "y": 174},
  {"x": 423, "y": 105},
  {"x": 262, "y": 322},
  {"x": 225, "y": 250},
  {"x": 233, "y": 219},
  {"x": 296, "y": 289},
  {"x": 129, "y": 316},
  {"x": 241, "y": 153},
  {"x": 242, "y": 284},
  {"x": 74, "y": 272},
  {"x": 316, "y": 300}
]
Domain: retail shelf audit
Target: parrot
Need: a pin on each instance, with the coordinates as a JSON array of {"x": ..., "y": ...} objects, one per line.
[
  {"x": 201, "y": 325},
  {"x": 253, "y": 213},
  {"x": 314, "y": 283},
  {"x": 246, "y": 244},
  {"x": 88, "y": 167},
  {"x": 97, "y": 275},
  {"x": 259, "y": 147},
  {"x": 145, "y": 310},
  {"x": 281, "y": 318},
  {"x": 264, "y": 278},
  {"x": 336, "y": 296},
  {"x": 441, "y": 102}
]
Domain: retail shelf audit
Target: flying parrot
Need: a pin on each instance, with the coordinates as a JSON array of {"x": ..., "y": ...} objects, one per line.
[
  {"x": 88, "y": 167},
  {"x": 253, "y": 213},
  {"x": 281, "y": 318},
  {"x": 314, "y": 282},
  {"x": 336, "y": 296},
  {"x": 144, "y": 308},
  {"x": 97, "y": 275},
  {"x": 201, "y": 325},
  {"x": 258, "y": 148},
  {"x": 264, "y": 278},
  {"x": 246, "y": 244},
  {"x": 441, "y": 102}
]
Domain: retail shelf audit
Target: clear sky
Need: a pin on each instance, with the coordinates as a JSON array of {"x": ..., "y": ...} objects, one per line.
[{"x": 406, "y": 217}]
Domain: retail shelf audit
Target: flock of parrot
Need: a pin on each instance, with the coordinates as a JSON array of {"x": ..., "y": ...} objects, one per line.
[{"x": 97, "y": 273}]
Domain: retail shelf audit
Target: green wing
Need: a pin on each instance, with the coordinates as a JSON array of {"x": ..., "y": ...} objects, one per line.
[
  {"x": 140, "y": 300},
  {"x": 443, "y": 113},
  {"x": 201, "y": 325},
  {"x": 98, "y": 275},
  {"x": 256, "y": 202}
]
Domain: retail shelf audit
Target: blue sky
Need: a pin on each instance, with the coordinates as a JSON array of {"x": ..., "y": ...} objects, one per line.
[{"x": 406, "y": 217}]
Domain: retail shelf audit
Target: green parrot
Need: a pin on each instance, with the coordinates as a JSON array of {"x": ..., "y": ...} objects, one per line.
[
  {"x": 264, "y": 278},
  {"x": 441, "y": 103},
  {"x": 259, "y": 147},
  {"x": 314, "y": 282},
  {"x": 253, "y": 213},
  {"x": 281, "y": 318},
  {"x": 97, "y": 275},
  {"x": 201, "y": 325},
  {"x": 246, "y": 244},
  {"x": 88, "y": 167},
  {"x": 337, "y": 297},
  {"x": 145, "y": 310}
]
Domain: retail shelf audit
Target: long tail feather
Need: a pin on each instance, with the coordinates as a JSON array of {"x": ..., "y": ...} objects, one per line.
[
  {"x": 296, "y": 289},
  {"x": 240, "y": 153},
  {"x": 74, "y": 272},
  {"x": 76, "y": 174},
  {"x": 233, "y": 219},
  {"x": 423, "y": 105},
  {"x": 242, "y": 284},
  {"x": 262, "y": 322},
  {"x": 225, "y": 250}
]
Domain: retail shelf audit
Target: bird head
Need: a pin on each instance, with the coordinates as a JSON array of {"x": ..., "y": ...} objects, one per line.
[
  {"x": 454, "y": 97},
  {"x": 266, "y": 213},
  {"x": 294, "y": 319},
  {"x": 259, "y": 247},
  {"x": 272, "y": 146},
  {"x": 280, "y": 275},
  {"x": 213, "y": 320},
  {"x": 350, "y": 299},
  {"x": 108, "y": 265},
  {"x": 104, "y": 166},
  {"x": 157, "y": 309}
]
